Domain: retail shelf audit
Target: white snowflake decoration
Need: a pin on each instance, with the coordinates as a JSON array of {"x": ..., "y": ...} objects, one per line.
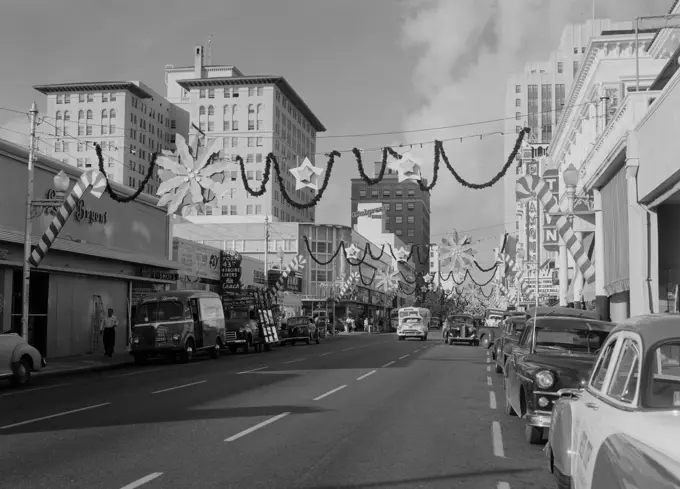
[{"x": 456, "y": 253}]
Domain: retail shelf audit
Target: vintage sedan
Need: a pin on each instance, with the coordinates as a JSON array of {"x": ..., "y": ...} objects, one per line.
[
  {"x": 555, "y": 351},
  {"x": 512, "y": 330},
  {"x": 300, "y": 328},
  {"x": 460, "y": 328},
  {"x": 18, "y": 359},
  {"x": 622, "y": 428}
]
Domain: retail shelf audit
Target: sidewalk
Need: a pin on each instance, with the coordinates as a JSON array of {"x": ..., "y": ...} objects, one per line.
[{"x": 85, "y": 363}]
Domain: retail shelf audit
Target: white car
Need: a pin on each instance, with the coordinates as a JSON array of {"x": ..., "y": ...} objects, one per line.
[
  {"x": 18, "y": 359},
  {"x": 412, "y": 328},
  {"x": 621, "y": 429}
]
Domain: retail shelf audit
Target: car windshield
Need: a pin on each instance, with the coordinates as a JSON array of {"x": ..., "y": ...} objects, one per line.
[
  {"x": 152, "y": 312},
  {"x": 575, "y": 335},
  {"x": 238, "y": 314},
  {"x": 665, "y": 389},
  {"x": 412, "y": 321},
  {"x": 462, "y": 319},
  {"x": 298, "y": 321}
]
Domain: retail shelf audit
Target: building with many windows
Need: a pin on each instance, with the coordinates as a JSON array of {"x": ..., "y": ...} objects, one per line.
[
  {"x": 128, "y": 119},
  {"x": 254, "y": 116},
  {"x": 406, "y": 211}
]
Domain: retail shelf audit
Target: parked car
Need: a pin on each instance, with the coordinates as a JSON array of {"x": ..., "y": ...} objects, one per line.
[
  {"x": 460, "y": 328},
  {"x": 511, "y": 331},
  {"x": 623, "y": 422},
  {"x": 493, "y": 326},
  {"x": 18, "y": 359},
  {"x": 556, "y": 350},
  {"x": 300, "y": 328}
]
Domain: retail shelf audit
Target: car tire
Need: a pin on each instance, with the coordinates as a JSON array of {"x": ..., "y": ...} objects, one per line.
[
  {"x": 188, "y": 352},
  {"x": 308, "y": 341},
  {"x": 499, "y": 369},
  {"x": 247, "y": 345},
  {"x": 317, "y": 339},
  {"x": 216, "y": 350},
  {"x": 533, "y": 434},
  {"x": 21, "y": 372}
]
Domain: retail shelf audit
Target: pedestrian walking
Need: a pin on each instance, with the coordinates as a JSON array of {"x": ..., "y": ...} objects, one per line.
[{"x": 108, "y": 333}]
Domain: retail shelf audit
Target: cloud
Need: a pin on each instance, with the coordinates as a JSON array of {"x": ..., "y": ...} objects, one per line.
[{"x": 466, "y": 52}]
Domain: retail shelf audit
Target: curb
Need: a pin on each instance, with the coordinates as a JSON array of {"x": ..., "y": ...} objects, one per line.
[{"x": 82, "y": 370}]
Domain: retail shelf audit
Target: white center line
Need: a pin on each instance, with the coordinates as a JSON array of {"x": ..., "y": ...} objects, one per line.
[
  {"x": 348, "y": 349},
  {"x": 179, "y": 387},
  {"x": 143, "y": 480},
  {"x": 503, "y": 485},
  {"x": 330, "y": 392},
  {"x": 488, "y": 381},
  {"x": 257, "y": 427},
  {"x": 416, "y": 351},
  {"x": 366, "y": 375},
  {"x": 249, "y": 371},
  {"x": 294, "y": 361},
  {"x": 401, "y": 358},
  {"x": 497, "y": 439},
  {"x": 327, "y": 353},
  {"x": 488, "y": 359},
  {"x": 53, "y": 416},
  {"x": 134, "y": 373},
  {"x": 24, "y": 391},
  {"x": 387, "y": 364},
  {"x": 492, "y": 399},
  {"x": 488, "y": 368}
]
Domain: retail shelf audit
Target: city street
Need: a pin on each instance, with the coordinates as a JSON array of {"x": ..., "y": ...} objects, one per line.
[{"x": 354, "y": 412}]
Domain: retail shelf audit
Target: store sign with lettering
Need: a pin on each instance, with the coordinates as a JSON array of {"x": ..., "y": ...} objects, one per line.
[
  {"x": 82, "y": 213},
  {"x": 196, "y": 260},
  {"x": 549, "y": 231},
  {"x": 159, "y": 274},
  {"x": 230, "y": 271}
]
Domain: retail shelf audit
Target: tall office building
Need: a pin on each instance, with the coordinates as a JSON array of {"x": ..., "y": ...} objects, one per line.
[
  {"x": 535, "y": 99},
  {"x": 406, "y": 211},
  {"x": 254, "y": 115},
  {"x": 128, "y": 119}
]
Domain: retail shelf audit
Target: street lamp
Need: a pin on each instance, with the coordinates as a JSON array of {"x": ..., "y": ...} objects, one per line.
[{"x": 36, "y": 208}]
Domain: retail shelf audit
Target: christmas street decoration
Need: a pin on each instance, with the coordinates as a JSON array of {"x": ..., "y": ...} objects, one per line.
[
  {"x": 353, "y": 252},
  {"x": 306, "y": 175},
  {"x": 406, "y": 167},
  {"x": 456, "y": 253},
  {"x": 401, "y": 255}
]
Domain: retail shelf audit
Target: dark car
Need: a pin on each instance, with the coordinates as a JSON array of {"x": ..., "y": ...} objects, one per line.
[
  {"x": 556, "y": 350},
  {"x": 510, "y": 332},
  {"x": 460, "y": 328},
  {"x": 435, "y": 323},
  {"x": 300, "y": 328}
]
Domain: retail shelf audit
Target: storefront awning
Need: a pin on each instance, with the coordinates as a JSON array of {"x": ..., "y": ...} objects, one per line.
[{"x": 93, "y": 250}]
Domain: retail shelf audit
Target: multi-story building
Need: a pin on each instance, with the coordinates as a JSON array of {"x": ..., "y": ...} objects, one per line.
[
  {"x": 406, "y": 211},
  {"x": 536, "y": 98},
  {"x": 128, "y": 119},
  {"x": 254, "y": 116}
]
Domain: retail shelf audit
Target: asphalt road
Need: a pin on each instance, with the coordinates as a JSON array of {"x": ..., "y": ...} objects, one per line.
[{"x": 354, "y": 412}]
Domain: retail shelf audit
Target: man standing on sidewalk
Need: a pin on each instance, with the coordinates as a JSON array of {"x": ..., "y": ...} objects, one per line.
[{"x": 108, "y": 333}]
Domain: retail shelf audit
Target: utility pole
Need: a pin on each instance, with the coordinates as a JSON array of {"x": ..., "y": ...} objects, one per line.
[
  {"x": 266, "y": 244},
  {"x": 28, "y": 228},
  {"x": 539, "y": 243}
]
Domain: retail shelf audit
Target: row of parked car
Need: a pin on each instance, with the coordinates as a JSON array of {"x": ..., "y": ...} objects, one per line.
[{"x": 606, "y": 396}]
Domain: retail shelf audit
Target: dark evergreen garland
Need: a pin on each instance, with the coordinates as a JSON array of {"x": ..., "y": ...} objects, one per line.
[
  {"x": 481, "y": 292},
  {"x": 383, "y": 166},
  {"x": 114, "y": 196}
]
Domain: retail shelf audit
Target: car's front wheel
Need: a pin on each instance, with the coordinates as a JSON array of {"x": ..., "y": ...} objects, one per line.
[{"x": 21, "y": 372}]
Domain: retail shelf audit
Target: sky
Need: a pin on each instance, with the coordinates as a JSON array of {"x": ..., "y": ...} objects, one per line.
[{"x": 395, "y": 67}]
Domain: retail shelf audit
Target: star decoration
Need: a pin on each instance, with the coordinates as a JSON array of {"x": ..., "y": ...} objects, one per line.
[
  {"x": 188, "y": 177},
  {"x": 401, "y": 255},
  {"x": 306, "y": 175},
  {"x": 456, "y": 253},
  {"x": 353, "y": 252},
  {"x": 406, "y": 167}
]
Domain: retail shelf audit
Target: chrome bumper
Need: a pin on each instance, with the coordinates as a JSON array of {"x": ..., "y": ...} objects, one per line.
[
  {"x": 540, "y": 419},
  {"x": 231, "y": 342}
]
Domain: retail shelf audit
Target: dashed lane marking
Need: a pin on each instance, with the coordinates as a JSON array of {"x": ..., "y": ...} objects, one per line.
[
  {"x": 180, "y": 387},
  {"x": 503, "y": 485},
  {"x": 488, "y": 381},
  {"x": 492, "y": 399},
  {"x": 26, "y": 391},
  {"x": 13, "y": 425},
  {"x": 401, "y": 358},
  {"x": 330, "y": 392},
  {"x": 257, "y": 427},
  {"x": 488, "y": 359},
  {"x": 387, "y": 364},
  {"x": 497, "y": 439},
  {"x": 134, "y": 373},
  {"x": 250, "y": 371},
  {"x": 366, "y": 375},
  {"x": 348, "y": 349},
  {"x": 143, "y": 480},
  {"x": 295, "y": 361},
  {"x": 488, "y": 368},
  {"x": 327, "y": 353}
]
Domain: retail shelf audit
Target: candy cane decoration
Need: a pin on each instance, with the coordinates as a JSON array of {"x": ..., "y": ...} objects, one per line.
[
  {"x": 353, "y": 277},
  {"x": 297, "y": 263},
  {"x": 531, "y": 186},
  {"x": 92, "y": 180}
]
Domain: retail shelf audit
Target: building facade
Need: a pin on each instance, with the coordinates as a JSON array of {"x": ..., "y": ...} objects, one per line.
[
  {"x": 128, "y": 119},
  {"x": 406, "y": 212},
  {"x": 107, "y": 255},
  {"x": 536, "y": 99},
  {"x": 615, "y": 134},
  {"x": 254, "y": 116}
]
